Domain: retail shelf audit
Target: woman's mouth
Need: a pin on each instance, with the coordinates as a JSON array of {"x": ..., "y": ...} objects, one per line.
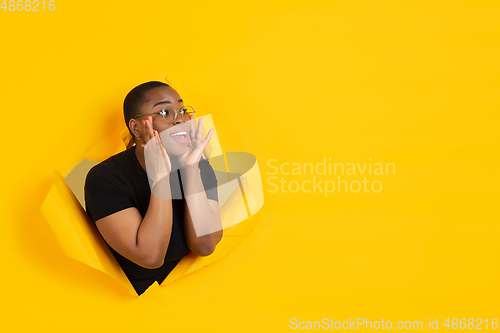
[{"x": 180, "y": 137}]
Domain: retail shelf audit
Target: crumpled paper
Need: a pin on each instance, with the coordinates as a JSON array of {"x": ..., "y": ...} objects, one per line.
[{"x": 240, "y": 197}]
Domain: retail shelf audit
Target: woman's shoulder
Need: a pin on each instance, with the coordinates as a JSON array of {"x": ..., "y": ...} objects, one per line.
[
  {"x": 204, "y": 164},
  {"x": 111, "y": 165},
  {"x": 207, "y": 171}
]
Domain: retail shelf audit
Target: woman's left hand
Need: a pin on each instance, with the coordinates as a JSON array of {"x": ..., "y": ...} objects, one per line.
[{"x": 195, "y": 145}]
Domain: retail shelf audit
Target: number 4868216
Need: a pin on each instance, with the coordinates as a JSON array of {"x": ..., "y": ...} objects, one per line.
[
  {"x": 28, "y": 6},
  {"x": 471, "y": 323}
]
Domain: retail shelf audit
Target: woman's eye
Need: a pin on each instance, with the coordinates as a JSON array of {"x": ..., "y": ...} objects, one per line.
[{"x": 164, "y": 112}]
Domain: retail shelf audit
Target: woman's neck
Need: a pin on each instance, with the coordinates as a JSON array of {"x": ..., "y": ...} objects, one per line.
[{"x": 139, "y": 153}]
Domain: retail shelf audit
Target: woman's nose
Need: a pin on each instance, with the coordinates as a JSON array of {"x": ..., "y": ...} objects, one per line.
[{"x": 178, "y": 118}]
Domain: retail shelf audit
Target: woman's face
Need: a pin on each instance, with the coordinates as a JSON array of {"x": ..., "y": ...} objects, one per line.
[{"x": 158, "y": 99}]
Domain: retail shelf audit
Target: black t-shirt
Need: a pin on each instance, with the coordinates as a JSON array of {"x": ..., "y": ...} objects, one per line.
[{"x": 120, "y": 182}]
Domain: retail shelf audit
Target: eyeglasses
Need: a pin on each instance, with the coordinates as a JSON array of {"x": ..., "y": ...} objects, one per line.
[{"x": 169, "y": 113}]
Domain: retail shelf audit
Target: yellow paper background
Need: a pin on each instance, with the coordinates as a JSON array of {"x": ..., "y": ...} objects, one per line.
[{"x": 413, "y": 83}]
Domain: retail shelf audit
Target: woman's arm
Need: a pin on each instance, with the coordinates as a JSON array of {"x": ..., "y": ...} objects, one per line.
[
  {"x": 202, "y": 222},
  {"x": 143, "y": 241},
  {"x": 155, "y": 230}
]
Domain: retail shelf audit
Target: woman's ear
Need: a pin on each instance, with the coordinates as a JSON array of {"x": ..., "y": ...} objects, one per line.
[{"x": 134, "y": 127}]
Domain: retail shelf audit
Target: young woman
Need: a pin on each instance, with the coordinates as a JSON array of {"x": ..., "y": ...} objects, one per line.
[{"x": 156, "y": 201}]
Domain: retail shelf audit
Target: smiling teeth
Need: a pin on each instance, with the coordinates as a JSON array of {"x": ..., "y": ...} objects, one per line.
[{"x": 179, "y": 134}]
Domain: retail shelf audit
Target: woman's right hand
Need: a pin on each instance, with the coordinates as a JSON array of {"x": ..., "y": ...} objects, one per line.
[{"x": 157, "y": 161}]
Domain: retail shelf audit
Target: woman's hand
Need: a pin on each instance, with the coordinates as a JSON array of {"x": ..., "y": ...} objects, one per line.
[
  {"x": 157, "y": 161},
  {"x": 195, "y": 145}
]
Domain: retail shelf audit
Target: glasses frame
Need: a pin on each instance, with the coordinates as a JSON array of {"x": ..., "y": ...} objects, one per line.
[{"x": 175, "y": 117}]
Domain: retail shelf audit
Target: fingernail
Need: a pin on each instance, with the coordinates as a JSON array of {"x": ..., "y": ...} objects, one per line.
[{"x": 143, "y": 121}]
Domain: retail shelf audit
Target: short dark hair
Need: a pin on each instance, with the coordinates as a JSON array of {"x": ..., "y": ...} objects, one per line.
[{"x": 135, "y": 98}]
